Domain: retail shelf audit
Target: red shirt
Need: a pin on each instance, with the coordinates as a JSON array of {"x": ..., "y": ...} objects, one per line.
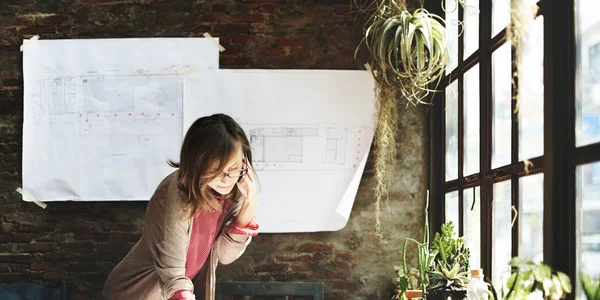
[{"x": 204, "y": 233}]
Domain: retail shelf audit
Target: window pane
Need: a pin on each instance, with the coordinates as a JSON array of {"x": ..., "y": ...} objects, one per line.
[
  {"x": 451, "y": 8},
  {"x": 500, "y": 15},
  {"x": 502, "y": 106},
  {"x": 531, "y": 220},
  {"x": 472, "y": 226},
  {"x": 471, "y": 32},
  {"x": 588, "y": 91},
  {"x": 452, "y": 131},
  {"x": 501, "y": 232},
  {"x": 452, "y": 210},
  {"x": 588, "y": 201},
  {"x": 531, "y": 89},
  {"x": 471, "y": 117}
]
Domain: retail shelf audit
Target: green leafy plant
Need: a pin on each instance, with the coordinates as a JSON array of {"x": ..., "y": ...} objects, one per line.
[
  {"x": 591, "y": 287},
  {"x": 451, "y": 264},
  {"x": 529, "y": 278},
  {"x": 425, "y": 260}
]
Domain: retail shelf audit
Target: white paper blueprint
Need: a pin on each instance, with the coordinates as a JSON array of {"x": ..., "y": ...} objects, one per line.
[
  {"x": 102, "y": 116},
  {"x": 310, "y": 131}
]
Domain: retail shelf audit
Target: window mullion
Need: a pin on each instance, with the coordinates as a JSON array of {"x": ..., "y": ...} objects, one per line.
[
  {"x": 559, "y": 137},
  {"x": 485, "y": 107}
]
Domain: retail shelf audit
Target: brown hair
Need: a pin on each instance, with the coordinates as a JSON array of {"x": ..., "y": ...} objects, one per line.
[{"x": 211, "y": 142}]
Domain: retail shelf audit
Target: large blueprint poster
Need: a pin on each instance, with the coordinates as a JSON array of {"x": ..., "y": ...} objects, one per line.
[
  {"x": 101, "y": 117},
  {"x": 310, "y": 131}
]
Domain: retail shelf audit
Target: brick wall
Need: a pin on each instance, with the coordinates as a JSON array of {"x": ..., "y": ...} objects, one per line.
[{"x": 81, "y": 242}]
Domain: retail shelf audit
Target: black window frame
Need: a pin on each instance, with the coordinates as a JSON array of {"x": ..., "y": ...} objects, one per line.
[{"x": 560, "y": 158}]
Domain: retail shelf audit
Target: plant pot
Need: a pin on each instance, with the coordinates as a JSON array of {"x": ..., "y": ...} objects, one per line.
[
  {"x": 413, "y": 294},
  {"x": 447, "y": 295}
]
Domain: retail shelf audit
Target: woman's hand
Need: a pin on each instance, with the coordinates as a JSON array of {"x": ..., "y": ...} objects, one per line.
[
  {"x": 187, "y": 295},
  {"x": 248, "y": 189}
]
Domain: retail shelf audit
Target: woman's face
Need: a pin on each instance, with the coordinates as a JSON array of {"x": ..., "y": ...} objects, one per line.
[{"x": 225, "y": 182}]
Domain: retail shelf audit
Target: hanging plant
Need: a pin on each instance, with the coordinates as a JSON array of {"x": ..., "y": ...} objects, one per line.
[
  {"x": 407, "y": 50},
  {"x": 408, "y": 55},
  {"x": 522, "y": 16}
]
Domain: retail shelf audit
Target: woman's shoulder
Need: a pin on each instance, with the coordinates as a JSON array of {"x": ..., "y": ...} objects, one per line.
[{"x": 168, "y": 189}]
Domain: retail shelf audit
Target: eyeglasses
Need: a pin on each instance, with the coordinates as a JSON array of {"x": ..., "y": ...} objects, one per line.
[{"x": 237, "y": 174}]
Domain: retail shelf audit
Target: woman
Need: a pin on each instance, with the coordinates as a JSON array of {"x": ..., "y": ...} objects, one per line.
[{"x": 199, "y": 215}]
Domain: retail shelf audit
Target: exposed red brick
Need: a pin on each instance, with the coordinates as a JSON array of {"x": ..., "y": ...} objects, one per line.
[
  {"x": 18, "y": 268},
  {"x": 219, "y": 8},
  {"x": 4, "y": 268},
  {"x": 314, "y": 247},
  {"x": 39, "y": 267},
  {"x": 11, "y": 277},
  {"x": 273, "y": 51},
  {"x": 38, "y": 247},
  {"x": 127, "y": 237},
  {"x": 213, "y": 19},
  {"x": 266, "y": 8},
  {"x": 52, "y": 20},
  {"x": 301, "y": 268},
  {"x": 15, "y": 237},
  {"x": 40, "y": 227},
  {"x": 290, "y": 41},
  {"x": 53, "y": 276},
  {"x": 231, "y": 28},
  {"x": 245, "y": 18},
  {"x": 292, "y": 258},
  {"x": 330, "y": 275},
  {"x": 346, "y": 255},
  {"x": 271, "y": 268},
  {"x": 240, "y": 39}
]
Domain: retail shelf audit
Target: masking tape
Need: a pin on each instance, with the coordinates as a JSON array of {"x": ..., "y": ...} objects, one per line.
[
  {"x": 214, "y": 41},
  {"x": 190, "y": 70},
  {"x": 32, "y": 198},
  {"x": 25, "y": 42}
]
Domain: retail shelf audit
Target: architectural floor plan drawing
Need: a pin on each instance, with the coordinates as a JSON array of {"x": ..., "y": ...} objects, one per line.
[
  {"x": 279, "y": 144},
  {"x": 336, "y": 145},
  {"x": 107, "y": 121},
  {"x": 310, "y": 138},
  {"x": 136, "y": 106}
]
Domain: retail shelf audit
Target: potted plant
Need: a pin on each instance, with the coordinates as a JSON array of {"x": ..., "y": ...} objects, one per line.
[
  {"x": 533, "y": 279},
  {"x": 591, "y": 287},
  {"x": 407, "y": 286},
  {"x": 407, "y": 56},
  {"x": 449, "y": 275},
  {"x": 412, "y": 284}
]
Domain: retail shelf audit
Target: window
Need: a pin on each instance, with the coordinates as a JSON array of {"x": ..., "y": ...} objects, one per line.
[
  {"x": 521, "y": 171},
  {"x": 587, "y": 106}
]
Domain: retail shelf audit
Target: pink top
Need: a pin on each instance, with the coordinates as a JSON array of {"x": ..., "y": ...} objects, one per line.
[{"x": 204, "y": 232}]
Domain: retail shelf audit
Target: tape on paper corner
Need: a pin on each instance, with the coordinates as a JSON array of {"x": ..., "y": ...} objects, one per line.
[
  {"x": 26, "y": 42},
  {"x": 31, "y": 198},
  {"x": 190, "y": 71},
  {"x": 214, "y": 41}
]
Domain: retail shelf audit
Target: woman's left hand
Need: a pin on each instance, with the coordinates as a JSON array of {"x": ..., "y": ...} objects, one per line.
[{"x": 248, "y": 189}]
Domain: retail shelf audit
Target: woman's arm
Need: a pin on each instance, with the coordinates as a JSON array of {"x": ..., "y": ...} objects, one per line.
[
  {"x": 167, "y": 229},
  {"x": 232, "y": 241}
]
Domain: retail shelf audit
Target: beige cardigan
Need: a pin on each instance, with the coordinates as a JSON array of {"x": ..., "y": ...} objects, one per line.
[{"x": 154, "y": 269}]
